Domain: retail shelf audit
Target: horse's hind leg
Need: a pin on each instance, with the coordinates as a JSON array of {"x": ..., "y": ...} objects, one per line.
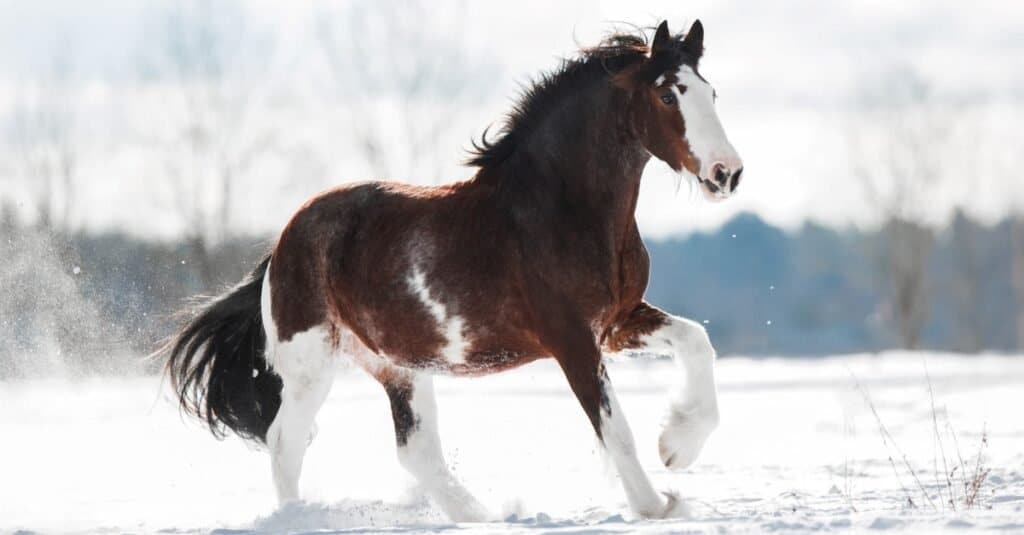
[
  {"x": 414, "y": 410},
  {"x": 306, "y": 366}
]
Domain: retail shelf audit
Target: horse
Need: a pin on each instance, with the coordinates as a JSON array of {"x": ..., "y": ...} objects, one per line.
[{"x": 537, "y": 255}]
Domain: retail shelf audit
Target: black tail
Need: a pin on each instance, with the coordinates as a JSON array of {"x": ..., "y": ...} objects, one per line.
[{"x": 217, "y": 367}]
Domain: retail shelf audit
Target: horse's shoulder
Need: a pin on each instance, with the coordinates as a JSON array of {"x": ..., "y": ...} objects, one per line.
[{"x": 634, "y": 267}]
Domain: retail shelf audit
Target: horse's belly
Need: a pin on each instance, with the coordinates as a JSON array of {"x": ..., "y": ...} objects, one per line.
[{"x": 455, "y": 347}]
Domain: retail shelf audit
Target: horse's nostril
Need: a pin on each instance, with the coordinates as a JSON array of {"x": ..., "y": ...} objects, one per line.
[
  {"x": 721, "y": 176},
  {"x": 736, "y": 178}
]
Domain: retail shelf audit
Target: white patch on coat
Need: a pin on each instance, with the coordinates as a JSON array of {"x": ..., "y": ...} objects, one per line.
[
  {"x": 704, "y": 131},
  {"x": 456, "y": 345},
  {"x": 269, "y": 327}
]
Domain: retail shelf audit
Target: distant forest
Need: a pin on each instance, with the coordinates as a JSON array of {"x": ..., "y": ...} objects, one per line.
[
  {"x": 88, "y": 302},
  {"x": 819, "y": 291}
]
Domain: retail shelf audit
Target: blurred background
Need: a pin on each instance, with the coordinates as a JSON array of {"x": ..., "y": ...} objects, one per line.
[{"x": 150, "y": 152}]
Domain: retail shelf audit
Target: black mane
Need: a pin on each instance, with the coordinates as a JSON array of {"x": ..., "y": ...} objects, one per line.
[{"x": 615, "y": 53}]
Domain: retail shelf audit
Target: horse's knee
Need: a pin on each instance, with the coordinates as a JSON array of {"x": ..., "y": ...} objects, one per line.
[
  {"x": 307, "y": 374},
  {"x": 615, "y": 433},
  {"x": 413, "y": 414},
  {"x": 690, "y": 340}
]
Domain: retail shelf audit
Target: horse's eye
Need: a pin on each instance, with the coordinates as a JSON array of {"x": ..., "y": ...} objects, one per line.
[{"x": 669, "y": 99}]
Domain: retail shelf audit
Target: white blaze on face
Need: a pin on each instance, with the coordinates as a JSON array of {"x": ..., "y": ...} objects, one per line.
[
  {"x": 704, "y": 132},
  {"x": 451, "y": 327}
]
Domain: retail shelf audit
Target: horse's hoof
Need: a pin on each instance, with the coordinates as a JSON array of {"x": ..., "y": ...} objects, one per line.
[
  {"x": 675, "y": 507},
  {"x": 672, "y": 507},
  {"x": 468, "y": 509},
  {"x": 683, "y": 437},
  {"x": 473, "y": 516},
  {"x": 677, "y": 450}
]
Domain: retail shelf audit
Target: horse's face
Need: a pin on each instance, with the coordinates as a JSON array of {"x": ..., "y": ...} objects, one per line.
[{"x": 675, "y": 109}]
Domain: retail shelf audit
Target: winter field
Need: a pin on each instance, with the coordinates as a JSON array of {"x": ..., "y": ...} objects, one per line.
[{"x": 799, "y": 449}]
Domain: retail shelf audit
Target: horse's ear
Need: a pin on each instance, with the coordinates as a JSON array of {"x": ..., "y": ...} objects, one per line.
[
  {"x": 662, "y": 38},
  {"x": 693, "y": 43},
  {"x": 645, "y": 73}
]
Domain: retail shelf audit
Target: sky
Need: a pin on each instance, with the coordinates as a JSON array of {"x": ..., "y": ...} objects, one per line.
[{"x": 792, "y": 76}]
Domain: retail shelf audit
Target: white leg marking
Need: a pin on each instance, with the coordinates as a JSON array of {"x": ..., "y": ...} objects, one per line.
[
  {"x": 306, "y": 366},
  {"x": 452, "y": 327},
  {"x": 693, "y": 409},
  {"x": 291, "y": 432},
  {"x": 423, "y": 458},
  {"x": 618, "y": 442}
]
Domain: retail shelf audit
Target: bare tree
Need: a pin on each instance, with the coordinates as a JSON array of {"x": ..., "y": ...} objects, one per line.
[
  {"x": 1017, "y": 252},
  {"x": 404, "y": 76},
  {"x": 992, "y": 148},
  {"x": 1004, "y": 157},
  {"x": 44, "y": 136},
  {"x": 968, "y": 276},
  {"x": 209, "y": 58},
  {"x": 897, "y": 151}
]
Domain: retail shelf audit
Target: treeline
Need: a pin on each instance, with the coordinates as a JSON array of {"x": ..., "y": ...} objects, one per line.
[
  {"x": 81, "y": 302},
  {"x": 818, "y": 291}
]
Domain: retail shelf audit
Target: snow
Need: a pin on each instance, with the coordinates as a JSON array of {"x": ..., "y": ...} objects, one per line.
[{"x": 798, "y": 450}]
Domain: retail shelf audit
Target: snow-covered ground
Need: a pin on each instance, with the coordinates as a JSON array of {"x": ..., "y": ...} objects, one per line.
[{"x": 798, "y": 450}]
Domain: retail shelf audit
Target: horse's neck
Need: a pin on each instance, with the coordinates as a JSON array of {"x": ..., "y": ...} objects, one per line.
[{"x": 588, "y": 158}]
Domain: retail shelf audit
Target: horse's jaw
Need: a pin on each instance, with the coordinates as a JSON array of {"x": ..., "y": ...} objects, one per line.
[{"x": 708, "y": 190}]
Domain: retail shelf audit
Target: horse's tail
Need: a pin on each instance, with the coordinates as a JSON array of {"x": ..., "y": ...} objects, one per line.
[{"x": 217, "y": 367}]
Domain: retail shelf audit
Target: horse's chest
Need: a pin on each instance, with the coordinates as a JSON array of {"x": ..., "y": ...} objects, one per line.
[{"x": 609, "y": 278}]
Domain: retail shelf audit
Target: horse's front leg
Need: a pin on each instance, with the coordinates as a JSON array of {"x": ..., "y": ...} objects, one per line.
[
  {"x": 693, "y": 408},
  {"x": 414, "y": 411},
  {"x": 589, "y": 381}
]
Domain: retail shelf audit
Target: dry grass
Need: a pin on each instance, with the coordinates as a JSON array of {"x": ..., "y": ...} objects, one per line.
[
  {"x": 971, "y": 480},
  {"x": 972, "y": 485}
]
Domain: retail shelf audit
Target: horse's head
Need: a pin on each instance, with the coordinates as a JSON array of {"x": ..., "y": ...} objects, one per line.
[{"x": 674, "y": 108}]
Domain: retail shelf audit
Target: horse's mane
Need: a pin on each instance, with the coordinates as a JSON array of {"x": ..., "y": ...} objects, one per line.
[{"x": 615, "y": 52}]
